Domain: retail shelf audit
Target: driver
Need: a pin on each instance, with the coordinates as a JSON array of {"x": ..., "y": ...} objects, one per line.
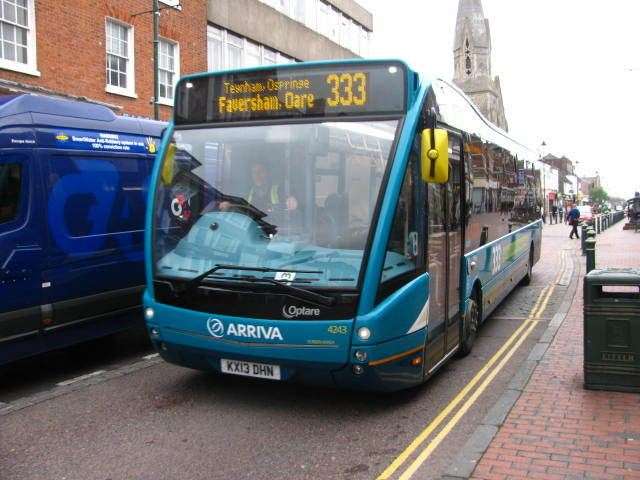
[{"x": 264, "y": 194}]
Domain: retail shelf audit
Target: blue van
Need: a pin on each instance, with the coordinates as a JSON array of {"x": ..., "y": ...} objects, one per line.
[{"x": 73, "y": 188}]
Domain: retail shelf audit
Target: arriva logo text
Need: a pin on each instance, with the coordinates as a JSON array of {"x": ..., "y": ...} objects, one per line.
[
  {"x": 292, "y": 311},
  {"x": 259, "y": 332}
]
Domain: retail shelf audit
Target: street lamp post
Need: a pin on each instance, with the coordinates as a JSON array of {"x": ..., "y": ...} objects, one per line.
[
  {"x": 155, "y": 11},
  {"x": 156, "y": 41}
]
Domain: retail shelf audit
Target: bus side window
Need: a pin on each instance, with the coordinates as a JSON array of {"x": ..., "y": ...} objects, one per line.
[
  {"x": 405, "y": 255},
  {"x": 10, "y": 187}
]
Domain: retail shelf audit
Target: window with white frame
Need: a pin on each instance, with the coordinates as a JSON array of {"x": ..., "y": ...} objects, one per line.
[
  {"x": 311, "y": 14},
  {"x": 226, "y": 50},
  {"x": 234, "y": 49},
  {"x": 17, "y": 36},
  {"x": 334, "y": 22},
  {"x": 298, "y": 10},
  {"x": 323, "y": 18},
  {"x": 269, "y": 57},
  {"x": 168, "y": 70},
  {"x": 344, "y": 31},
  {"x": 285, "y": 59},
  {"x": 120, "y": 72},
  {"x": 251, "y": 54},
  {"x": 215, "y": 41}
]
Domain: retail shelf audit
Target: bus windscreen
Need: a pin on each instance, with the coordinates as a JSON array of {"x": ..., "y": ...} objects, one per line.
[{"x": 293, "y": 92}]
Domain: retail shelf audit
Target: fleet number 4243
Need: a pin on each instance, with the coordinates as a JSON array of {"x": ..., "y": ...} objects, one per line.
[{"x": 338, "y": 330}]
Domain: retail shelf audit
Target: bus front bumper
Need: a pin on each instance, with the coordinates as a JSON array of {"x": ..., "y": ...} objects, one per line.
[{"x": 397, "y": 374}]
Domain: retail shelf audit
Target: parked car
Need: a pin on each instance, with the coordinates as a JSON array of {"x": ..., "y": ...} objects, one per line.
[
  {"x": 73, "y": 191},
  {"x": 586, "y": 213}
]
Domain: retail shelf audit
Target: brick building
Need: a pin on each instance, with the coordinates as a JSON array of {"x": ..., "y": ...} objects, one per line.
[
  {"x": 589, "y": 183},
  {"x": 102, "y": 50}
]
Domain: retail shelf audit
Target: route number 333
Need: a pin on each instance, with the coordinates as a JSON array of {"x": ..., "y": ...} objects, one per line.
[
  {"x": 496, "y": 258},
  {"x": 347, "y": 89}
]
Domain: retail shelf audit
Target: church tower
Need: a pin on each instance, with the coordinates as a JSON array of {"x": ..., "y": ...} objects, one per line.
[{"x": 472, "y": 62}]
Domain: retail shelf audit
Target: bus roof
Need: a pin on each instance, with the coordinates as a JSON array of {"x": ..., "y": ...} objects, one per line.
[{"x": 44, "y": 111}]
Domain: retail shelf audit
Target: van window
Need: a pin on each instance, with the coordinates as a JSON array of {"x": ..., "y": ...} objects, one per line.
[
  {"x": 10, "y": 183},
  {"x": 96, "y": 202}
]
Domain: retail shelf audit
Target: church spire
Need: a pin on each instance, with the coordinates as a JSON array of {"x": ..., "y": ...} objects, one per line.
[
  {"x": 472, "y": 61},
  {"x": 472, "y": 45}
]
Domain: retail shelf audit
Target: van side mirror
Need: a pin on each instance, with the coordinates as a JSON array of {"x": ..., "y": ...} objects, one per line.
[{"x": 434, "y": 155}]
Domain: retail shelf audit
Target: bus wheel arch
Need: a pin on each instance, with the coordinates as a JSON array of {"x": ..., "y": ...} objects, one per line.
[
  {"x": 526, "y": 280},
  {"x": 471, "y": 321}
]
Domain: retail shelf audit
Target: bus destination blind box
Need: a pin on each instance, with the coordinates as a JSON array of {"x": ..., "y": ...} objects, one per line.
[{"x": 290, "y": 92}]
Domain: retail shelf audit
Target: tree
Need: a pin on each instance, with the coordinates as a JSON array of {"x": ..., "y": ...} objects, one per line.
[{"x": 598, "y": 195}]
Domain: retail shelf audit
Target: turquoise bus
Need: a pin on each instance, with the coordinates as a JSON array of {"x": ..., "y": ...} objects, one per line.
[{"x": 340, "y": 223}]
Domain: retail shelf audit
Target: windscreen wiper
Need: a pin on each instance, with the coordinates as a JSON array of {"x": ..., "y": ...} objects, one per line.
[{"x": 301, "y": 293}]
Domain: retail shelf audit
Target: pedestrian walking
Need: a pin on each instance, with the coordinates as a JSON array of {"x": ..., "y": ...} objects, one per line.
[
  {"x": 572, "y": 219},
  {"x": 561, "y": 213},
  {"x": 544, "y": 220},
  {"x": 554, "y": 214}
]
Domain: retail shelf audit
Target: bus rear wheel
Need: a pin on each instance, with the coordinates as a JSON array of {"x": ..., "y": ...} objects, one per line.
[
  {"x": 529, "y": 275},
  {"x": 470, "y": 326}
]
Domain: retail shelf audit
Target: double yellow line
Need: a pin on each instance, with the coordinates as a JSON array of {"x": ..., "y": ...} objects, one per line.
[{"x": 504, "y": 353}]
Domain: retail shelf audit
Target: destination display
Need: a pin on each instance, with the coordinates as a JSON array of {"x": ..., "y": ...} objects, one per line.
[{"x": 290, "y": 92}]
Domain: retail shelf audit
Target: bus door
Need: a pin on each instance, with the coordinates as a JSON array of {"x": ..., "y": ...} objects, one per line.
[
  {"x": 444, "y": 253},
  {"x": 454, "y": 243},
  {"x": 437, "y": 267}
]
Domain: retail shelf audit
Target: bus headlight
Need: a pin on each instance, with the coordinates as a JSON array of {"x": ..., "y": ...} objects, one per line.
[
  {"x": 149, "y": 313},
  {"x": 364, "y": 333},
  {"x": 360, "y": 355}
]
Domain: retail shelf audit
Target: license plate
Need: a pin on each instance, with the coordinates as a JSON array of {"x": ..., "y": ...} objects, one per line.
[{"x": 250, "y": 369}]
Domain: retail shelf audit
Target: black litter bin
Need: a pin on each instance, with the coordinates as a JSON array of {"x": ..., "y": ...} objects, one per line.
[{"x": 612, "y": 330}]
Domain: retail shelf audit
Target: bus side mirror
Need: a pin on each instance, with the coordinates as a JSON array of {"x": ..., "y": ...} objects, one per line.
[
  {"x": 169, "y": 164},
  {"x": 434, "y": 155}
]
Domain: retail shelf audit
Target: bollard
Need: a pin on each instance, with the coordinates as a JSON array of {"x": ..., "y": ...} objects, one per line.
[
  {"x": 591, "y": 253},
  {"x": 583, "y": 236},
  {"x": 598, "y": 224}
]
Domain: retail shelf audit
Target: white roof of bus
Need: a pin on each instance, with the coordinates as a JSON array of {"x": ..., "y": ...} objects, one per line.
[{"x": 457, "y": 110}]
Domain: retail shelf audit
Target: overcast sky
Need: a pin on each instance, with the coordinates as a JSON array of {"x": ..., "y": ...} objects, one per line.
[{"x": 570, "y": 72}]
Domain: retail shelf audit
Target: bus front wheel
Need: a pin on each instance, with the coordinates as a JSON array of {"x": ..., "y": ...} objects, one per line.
[{"x": 470, "y": 325}]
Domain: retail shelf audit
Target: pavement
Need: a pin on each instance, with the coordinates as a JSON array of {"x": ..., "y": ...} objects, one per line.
[
  {"x": 556, "y": 429},
  {"x": 113, "y": 410}
]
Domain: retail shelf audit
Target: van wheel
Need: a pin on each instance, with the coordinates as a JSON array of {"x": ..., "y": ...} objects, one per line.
[
  {"x": 527, "y": 278},
  {"x": 469, "y": 327}
]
